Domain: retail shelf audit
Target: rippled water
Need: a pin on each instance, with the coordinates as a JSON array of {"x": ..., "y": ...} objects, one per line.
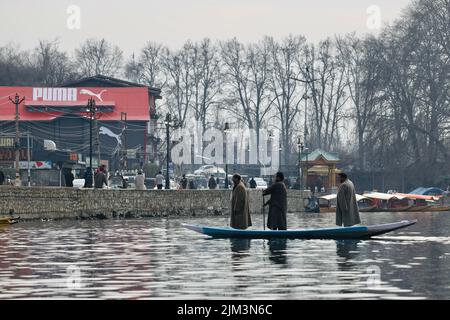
[{"x": 157, "y": 259}]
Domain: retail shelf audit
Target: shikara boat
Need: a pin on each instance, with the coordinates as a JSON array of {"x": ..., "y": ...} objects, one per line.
[
  {"x": 9, "y": 220},
  {"x": 386, "y": 202},
  {"x": 328, "y": 203},
  {"x": 356, "y": 232},
  {"x": 424, "y": 203}
]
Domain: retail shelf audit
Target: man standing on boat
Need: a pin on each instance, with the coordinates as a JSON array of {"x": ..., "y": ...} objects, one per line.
[
  {"x": 240, "y": 209},
  {"x": 347, "y": 212},
  {"x": 277, "y": 219}
]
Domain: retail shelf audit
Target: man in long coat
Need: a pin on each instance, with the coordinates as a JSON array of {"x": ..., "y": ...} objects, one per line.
[
  {"x": 347, "y": 212},
  {"x": 277, "y": 219},
  {"x": 240, "y": 210}
]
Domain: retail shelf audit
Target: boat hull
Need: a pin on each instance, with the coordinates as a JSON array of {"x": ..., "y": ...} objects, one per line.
[
  {"x": 9, "y": 220},
  {"x": 357, "y": 232}
]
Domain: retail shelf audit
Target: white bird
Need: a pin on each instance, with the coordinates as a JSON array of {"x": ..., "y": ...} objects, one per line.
[{"x": 92, "y": 94}]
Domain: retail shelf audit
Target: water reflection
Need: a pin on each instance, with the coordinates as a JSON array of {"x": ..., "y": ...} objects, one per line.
[
  {"x": 157, "y": 258},
  {"x": 278, "y": 250},
  {"x": 347, "y": 249}
]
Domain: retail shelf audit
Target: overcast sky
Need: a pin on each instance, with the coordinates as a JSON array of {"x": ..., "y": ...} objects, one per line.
[{"x": 131, "y": 23}]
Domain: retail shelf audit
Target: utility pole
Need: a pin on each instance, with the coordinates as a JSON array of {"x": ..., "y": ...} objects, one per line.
[
  {"x": 28, "y": 158},
  {"x": 123, "y": 119},
  {"x": 92, "y": 115},
  {"x": 17, "y": 101},
  {"x": 96, "y": 130}
]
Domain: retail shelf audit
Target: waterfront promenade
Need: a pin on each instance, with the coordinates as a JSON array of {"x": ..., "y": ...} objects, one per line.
[{"x": 37, "y": 203}]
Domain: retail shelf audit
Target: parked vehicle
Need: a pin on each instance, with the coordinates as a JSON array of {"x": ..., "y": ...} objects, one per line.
[
  {"x": 210, "y": 169},
  {"x": 261, "y": 184}
]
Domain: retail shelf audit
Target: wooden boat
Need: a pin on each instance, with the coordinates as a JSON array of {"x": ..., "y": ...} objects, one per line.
[
  {"x": 438, "y": 208},
  {"x": 419, "y": 208},
  {"x": 326, "y": 204},
  {"x": 356, "y": 232},
  {"x": 398, "y": 209},
  {"x": 9, "y": 220}
]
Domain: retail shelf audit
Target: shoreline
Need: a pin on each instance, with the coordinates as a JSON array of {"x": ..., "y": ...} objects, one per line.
[{"x": 38, "y": 203}]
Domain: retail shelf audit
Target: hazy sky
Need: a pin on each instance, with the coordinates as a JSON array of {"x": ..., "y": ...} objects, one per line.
[{"x": 131, "y": 23}]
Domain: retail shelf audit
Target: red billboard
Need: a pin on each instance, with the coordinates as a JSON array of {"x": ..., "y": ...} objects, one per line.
[{"x": 46, "y": 104}]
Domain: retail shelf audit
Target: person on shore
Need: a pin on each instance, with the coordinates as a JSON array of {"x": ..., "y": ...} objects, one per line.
[
  {"x": 212, "y": 183},
  {"x": 184, "y": 182},
  {"x": 252, "y": 183},
  {"x": 192, "y": 185},
  {"x": 88, "y": 178},
  {"x": 2, "y": 178},
  {"x": 240, "y": 210},
  {"x": 69, "y": 177},
  {"x": 140, "y": 181},
  {"x": 159, "y": 180},
  {"x": 100, "y": 179},
  {"x": 347, "y": 212},
  {"x": 277, "y": 219}
]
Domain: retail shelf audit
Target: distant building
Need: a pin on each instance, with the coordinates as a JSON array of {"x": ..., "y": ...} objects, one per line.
[{"x": 126, "y": 120}]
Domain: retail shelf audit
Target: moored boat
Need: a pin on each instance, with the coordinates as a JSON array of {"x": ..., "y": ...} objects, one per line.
[
  {"x": 328, "y": 203},
  {"x": 9, "y": 220}
]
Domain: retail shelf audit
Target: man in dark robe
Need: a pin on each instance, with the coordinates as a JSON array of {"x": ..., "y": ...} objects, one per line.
[
  {"x": 347, "y": 212},
  {"x": 240, "y": 209},
  {"x": 277, "y": 219},
  {"x": 212, "y": 184}
]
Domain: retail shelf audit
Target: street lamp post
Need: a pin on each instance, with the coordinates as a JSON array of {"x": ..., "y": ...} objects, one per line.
[
  {"x": 306, "y": 171},
  {"x": 170, "y": 123},
  {"x": 226, "y": 130},
  {"x": 300, "y": 151}
]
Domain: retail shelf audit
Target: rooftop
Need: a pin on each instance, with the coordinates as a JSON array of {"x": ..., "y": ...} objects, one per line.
[{"x": 316, "y": 154}]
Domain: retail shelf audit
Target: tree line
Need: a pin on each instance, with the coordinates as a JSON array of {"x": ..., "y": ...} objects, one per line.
[{"x": 381, "y": 101}]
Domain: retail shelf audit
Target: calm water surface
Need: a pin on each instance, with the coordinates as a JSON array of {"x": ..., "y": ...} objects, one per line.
[{"x": 157, "y": 259}]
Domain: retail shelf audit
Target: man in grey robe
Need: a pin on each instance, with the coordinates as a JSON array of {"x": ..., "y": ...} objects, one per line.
[
  {"x": 347, "y": 212},
  {"x": 240, "y": 209}
]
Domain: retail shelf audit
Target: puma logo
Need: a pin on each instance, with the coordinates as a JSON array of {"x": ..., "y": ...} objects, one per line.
[{"x": 92, "y": 94}]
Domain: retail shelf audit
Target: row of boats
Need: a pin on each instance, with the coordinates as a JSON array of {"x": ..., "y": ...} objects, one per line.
[{"x": 387, "y": 202}]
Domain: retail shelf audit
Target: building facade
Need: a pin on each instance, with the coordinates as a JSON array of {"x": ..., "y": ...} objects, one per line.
[{"x": 56, "y": 125}]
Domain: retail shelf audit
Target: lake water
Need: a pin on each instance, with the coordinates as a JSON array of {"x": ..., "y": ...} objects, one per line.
[{"x": 157, "y": 259}]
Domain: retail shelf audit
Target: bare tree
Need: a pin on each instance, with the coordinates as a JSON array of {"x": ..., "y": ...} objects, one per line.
[
  {"x": 363, "y": 76},
  {"x": 52, "y": 65},
  {"x": 324, "y": 75},
  {"x": 284, "y": 89},
  {"x": 98, "y": 57},
  {"x": 247, "y": 70},
  {"x": 16, "y": 67},
  {"x": 206, "y": 80},
  {"x": 148, "y": 68}
]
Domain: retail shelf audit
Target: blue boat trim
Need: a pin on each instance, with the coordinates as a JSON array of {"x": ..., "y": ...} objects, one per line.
[{"x": 358, "y": 232}]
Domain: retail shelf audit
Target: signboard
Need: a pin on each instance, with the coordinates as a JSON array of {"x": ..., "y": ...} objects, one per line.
[
  {"x": 94, "y": 162},
  {"x": 36, "y": 165},
  {"x": 6, "y": 142},
  {"x": 46, "y": 104},
  {"x": 10, "y": 154},
  {"x": 131, "y": 153}
]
